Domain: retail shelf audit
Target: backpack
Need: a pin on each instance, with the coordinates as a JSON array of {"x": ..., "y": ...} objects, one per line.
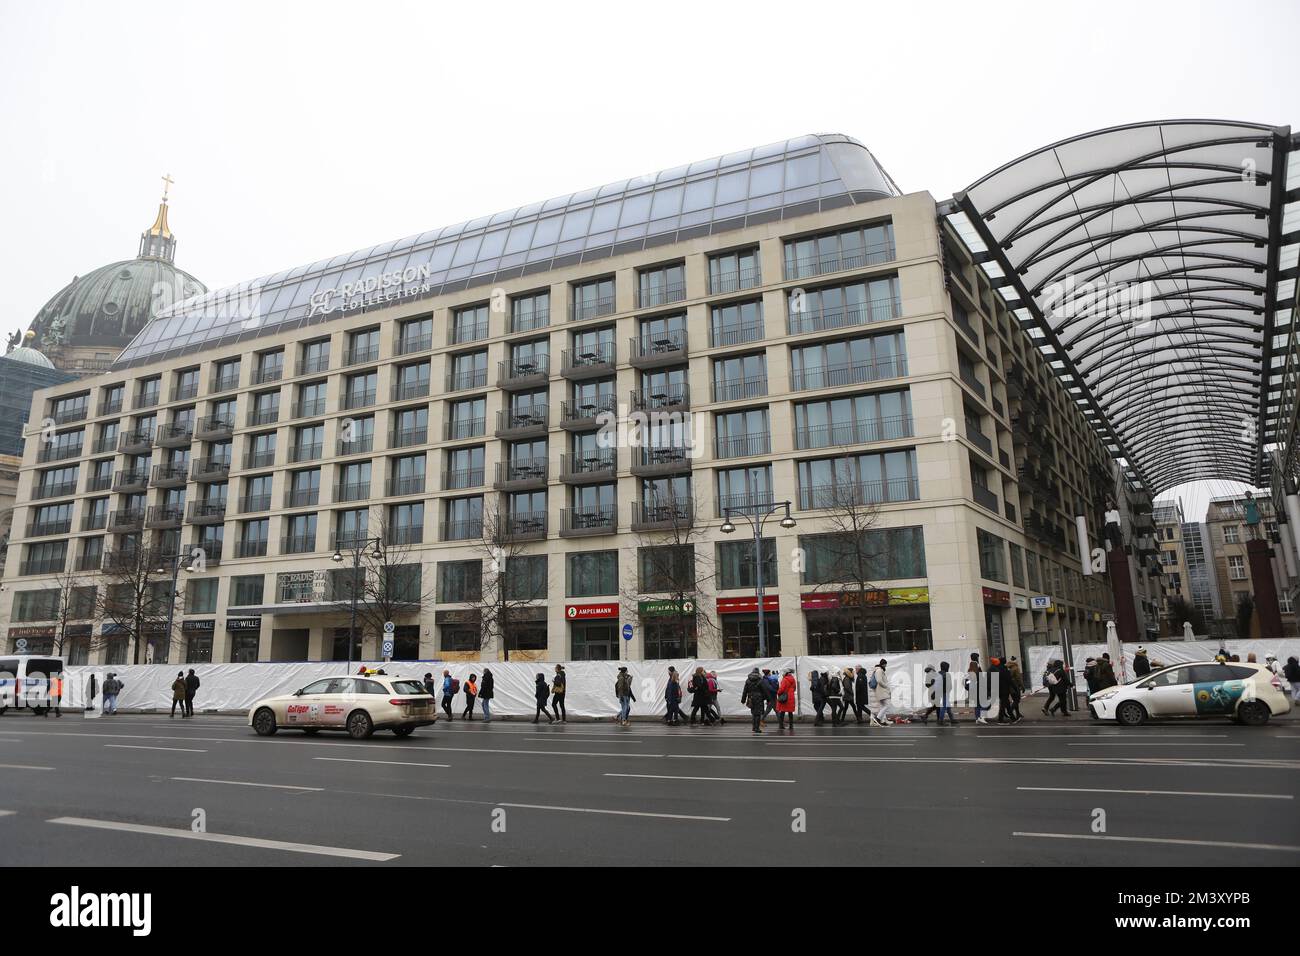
[
  {"x": 873, "y": 683},
  {"x": 713, "y": 685},
  {"x": 1046, "y": 675},
  {"x": 455, "y": 686},
  {"x": 833, "y": 689}
]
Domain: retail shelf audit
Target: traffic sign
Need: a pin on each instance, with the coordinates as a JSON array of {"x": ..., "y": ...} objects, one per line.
[
  {"x": 20, "y": 645},
  {"x": 389, "y": 627},
  {"x": 627, "y": 632},
  {"x": 387, "y": 649}
]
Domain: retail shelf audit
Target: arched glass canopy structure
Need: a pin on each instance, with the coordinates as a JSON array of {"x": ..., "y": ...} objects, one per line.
[
  {"x": 780, "y": 180},
  {"x": 1154, "y": 264}
]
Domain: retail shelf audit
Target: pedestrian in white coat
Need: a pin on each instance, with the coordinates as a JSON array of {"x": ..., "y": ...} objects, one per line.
[{"x": 878, "y": 689}]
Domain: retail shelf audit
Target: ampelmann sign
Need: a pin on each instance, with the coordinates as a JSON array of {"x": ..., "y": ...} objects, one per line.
[{"x": 385, "y": 287}]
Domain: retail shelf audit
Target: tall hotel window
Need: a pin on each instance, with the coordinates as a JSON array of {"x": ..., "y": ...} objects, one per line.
[
  {"x": 351, "y": 528},
  {"x": 839, "y": 250},
  {"x": 415, "y": 335},
  {"x": 746, "y": 487},
  {"x": 469, "y": 324},
  {"x": 661, "y": 286},
  {"x": 270, "y": 367},
  {"x": 363, "y": 346},
  {"x": 315, "y": 357},
  {"x": 463, "y": 518},
  {"x": 741, "y": 434},
  {"x": 858, "y": 480},
  {"x": 467, "y": 419},
  {"x": 464, "y": 468},
  {"x": 842, "y": 306},
  {"x": 881, "y": 416},
  {"x": 993, "y": 559},
  {"x": 735, "y": 323},
  {"x": 405, "y": 523},
  {"x": 592, "y": 299},
  {"x": 411, "y": 426},
  {"x": 739, "y": 377},
  {"x": 848, "y": 362},
  {"x": 468, "y": 370},
  {"x": 226, "y": 375},
  {"x": 734, "y": 271},
  {"x": 528, "y": 312},
  {"x": 406, "y": 475}
]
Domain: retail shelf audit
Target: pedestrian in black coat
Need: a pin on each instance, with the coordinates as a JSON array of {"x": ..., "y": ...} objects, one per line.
[
  {"x": 542, "y": 692},
  {"x": 861, "y": 692},
  {"x": 817, "y": 687},
  {"x": 191, "y": 688},
  {"x": 754, "y": 696},
  {"x": 486, "y": 693}
]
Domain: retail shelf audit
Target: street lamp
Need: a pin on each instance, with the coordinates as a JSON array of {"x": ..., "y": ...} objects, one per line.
[
  {"x": 171, "y": 604},
  {"x": 377, "y": 552},
  {"x": 756, "y": 515}
]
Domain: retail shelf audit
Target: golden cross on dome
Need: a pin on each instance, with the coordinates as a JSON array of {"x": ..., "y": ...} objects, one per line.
[{"x": 167, "y": 185}]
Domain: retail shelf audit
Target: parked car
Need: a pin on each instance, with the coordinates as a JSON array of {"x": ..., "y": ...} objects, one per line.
[
  {"x": 28, "y": 680},
  {"x": 1247, "y": 693},
  {"x": 359, "y": 705}
]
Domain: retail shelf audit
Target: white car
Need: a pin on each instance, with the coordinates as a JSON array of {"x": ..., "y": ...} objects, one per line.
[
  {"x": 1248, "y": 693},
  {"x": 359, "y": 705}
]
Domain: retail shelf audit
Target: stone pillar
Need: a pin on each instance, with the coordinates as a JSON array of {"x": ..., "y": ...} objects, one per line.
[
  {"x": 1265, "y": 589},
  {"x": 1121, "y": 586}
]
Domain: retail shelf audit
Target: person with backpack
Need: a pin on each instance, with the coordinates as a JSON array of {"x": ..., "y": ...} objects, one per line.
[
  {"x": 540, "y": 693},
  {"x": 178, "y": 693},
  {"x": 1000, "y": 674},
  {"x": 450, "y": 688},
  {"x": 1090, "y": 675},
  {"x": 1058, "y": 683},
  {"x": 698, "y": 688},
  {"x": 559, "y": 687},
  {"x": 973, "y": 673},
  {"x": 787, "y": 700},
  {"x": 715, "y": 711},
  {"x": 471, "y": 691},
  {"x": 191, "y": 690},
  {"x": 771, "y": 682},
  {"x": 943, "y": 694},
  {"x": 623, "y": 691},
  {"x": 861, "y": 693},
  {"x": 834, "y": 696},
  {"x": 848, "y": 696},
  {"x": 1141, "y": 663},
  {"x": 673, "y": 698},
  {"x": 112, "y": 687},
  {"x": 878, "y": 689},
  {"x": 754, "y": 696},
  {"x": 1105, "y": 673},
  {"x": 817, "y": 688},
  {"x": 485, "y": 694}
]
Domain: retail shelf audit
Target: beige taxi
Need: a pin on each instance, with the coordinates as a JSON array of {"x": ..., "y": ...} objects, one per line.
[{"x": 357, "y": 704}]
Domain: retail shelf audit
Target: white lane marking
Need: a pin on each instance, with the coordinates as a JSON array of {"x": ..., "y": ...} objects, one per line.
[
  {"x": 836, "y": 743},
  {"x": 1167, "y": 793},
  {"x": 397, "y": 763},
  {"x": 616, "y": 813},
  {"x": 664, "y": 776},
  {"x": 20, "y": 766},
  {"x": 249, "y": 783},
  {"x": 7, "y": 813},
  {"x": 1022, "y": 736},
  {"x": 560, "y": 740},
  {"x": 180, "y": 750},
  {"x": 1153, "y": 745},
  {"x": 228, "y": 838},
  {"x": 1162, "y": 840}
]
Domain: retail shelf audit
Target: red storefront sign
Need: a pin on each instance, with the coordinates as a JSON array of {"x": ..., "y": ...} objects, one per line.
[
  {"x": 748, "y": 605},
  {"x": 994, "y": 596},
  {"x": 582, "y": 612},
  {"x": 819, "y": 602}
]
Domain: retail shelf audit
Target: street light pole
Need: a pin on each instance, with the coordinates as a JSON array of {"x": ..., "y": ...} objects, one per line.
[
  {"x": 757, "y": 515},
  {"x": 378, "y": 552},
  {"x": 171, "y": 602}
]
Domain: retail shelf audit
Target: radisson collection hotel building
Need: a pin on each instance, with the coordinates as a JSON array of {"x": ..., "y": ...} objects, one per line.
[{"x": 815, "y": 337}]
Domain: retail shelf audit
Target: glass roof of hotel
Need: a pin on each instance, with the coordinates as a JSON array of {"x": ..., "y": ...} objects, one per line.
[
  {"x": 1154, "y": 265},
  {"x": 781, "y": 180}
]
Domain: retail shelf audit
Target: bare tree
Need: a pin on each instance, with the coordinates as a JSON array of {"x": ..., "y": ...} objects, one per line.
[
  {"x": 849, "y": 549},
  {"x": 505, "y": 596},
  {"x": 388, "y": 580},
  {"x": 670, "y": 566},
  {"x": 68, "y": 607},
  {"x": 137, "y": 597}
]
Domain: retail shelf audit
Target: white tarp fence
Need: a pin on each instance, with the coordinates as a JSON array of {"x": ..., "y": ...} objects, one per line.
[
  {"x": 590, "y": 684},
  {"x": 1166, "y": 652}
]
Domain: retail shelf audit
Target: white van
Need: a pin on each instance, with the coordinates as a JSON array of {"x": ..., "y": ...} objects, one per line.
[{"x": 25, "y": 681}]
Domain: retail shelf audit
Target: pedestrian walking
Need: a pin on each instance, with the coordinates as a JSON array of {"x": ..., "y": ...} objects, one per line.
[
  {"x": 771, "y": 683},
  {"x": 178, "y": 694},
  {"x": 817, "y": 688},
  {"x": 1292, "y": 673},
  {"x": 92, "y": 690},
  {"x": 878, "y": 691},
  {"x": 430, "y": 687},
  {"x": 112, "y": 687},
  {"x": 450, "y": 688},
  {"x": 834, "y": 696},
  {"x": 55, "y": 689},
  {"x": 486, "y": 691},
  {"x": 973, "y": 672},
  {"x": 714, "y": 709},
  {"x": 191, "y": 690},
  {"x": 787, "y": 700},
  {"x": 541, "y": 692},
  {"x": 471, "y": 691},
  {"x": 1017, "y": 682},
  {"x": 1090, "y": 675},
  {"x": 698, "y": 687},
  {"x": 930, "y": 681},
  {"x": 673, "y": 699},
  {"x": 943, "y": 693},
  {"x": 1055, "y": 680},
  {"x": 861, "y": 693},
  {"x": 1002, "y": 677},
  {"x": 1141, "y": 663},
  {"x": 623, "y": 691},
  {"x": 754, "y": 696},
  {"x": 1105, "y": 673},
  {"x": 559, "y": 687},
  {"x": 848, "y": 693}
]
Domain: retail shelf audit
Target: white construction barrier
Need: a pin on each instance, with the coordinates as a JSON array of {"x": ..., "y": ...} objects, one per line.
[{"x": 1166, "y": 652}]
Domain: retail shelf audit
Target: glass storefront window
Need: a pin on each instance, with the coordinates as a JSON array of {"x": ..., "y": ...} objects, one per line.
[{"x": 593, "y": 642}]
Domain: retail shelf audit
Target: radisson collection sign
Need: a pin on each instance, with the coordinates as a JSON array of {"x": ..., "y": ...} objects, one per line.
[{"x": 385, "y": 287}]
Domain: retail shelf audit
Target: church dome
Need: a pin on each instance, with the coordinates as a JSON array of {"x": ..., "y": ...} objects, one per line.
[
  {"x": 106, "y": 308},
  {"x": 29, "y": 356}
]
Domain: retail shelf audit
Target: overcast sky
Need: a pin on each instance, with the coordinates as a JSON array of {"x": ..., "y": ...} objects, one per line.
[{"x": 296, "y": 131}]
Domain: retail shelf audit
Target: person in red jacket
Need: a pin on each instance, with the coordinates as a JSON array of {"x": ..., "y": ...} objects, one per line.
[{"x": 787, "y": 700}]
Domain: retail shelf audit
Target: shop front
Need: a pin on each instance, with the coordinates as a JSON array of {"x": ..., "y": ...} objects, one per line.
[
  {"x": 593, "y": 631},
  {"x": 668, "y": 629},
  {"x": 875, "y": 621},
  {"x": 739, "y": 619},
  {"x": 32, "y": 639},
  {"x": 459, "y": 633},
  {"x": 245, "y": 639},
  {"x": 996, "y": 603},
  {"x": 198, "y": 640}
]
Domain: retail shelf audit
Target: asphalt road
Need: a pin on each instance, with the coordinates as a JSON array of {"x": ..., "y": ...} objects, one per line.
[{"x": 126, "y": 790}]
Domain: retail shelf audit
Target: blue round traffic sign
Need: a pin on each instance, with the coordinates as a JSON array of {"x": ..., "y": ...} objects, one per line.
[{"x": 627, "y": 632}]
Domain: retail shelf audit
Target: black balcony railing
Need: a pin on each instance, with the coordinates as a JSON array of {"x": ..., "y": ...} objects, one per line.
[
  {"x": 174, "y": 433},
  {"x": 104, "y": 444},
  {"x": 162, "y": 516},
  {"x": 525, "y": 524},
  {"x": 360, "y": 354},
  {"x": 307, "y": 451},
  {"x": 405, "y": 485},
  {"x": 589, "y": 467},
  {"x": 583, "y": 412},
  {"x": 40, "y": 529},
  {"x": 402, "y": 437},
  {"x": 580, "y": 310},
  {"x": 206, "y": 512},
  {"x": 146, "y": 399},
  {"x": 732, "y": 390},
  {"x": 417, "y": 388},
  {"x": 210, "y": 469},
  {"x": 650, "y": 297},
  {"x": 839, "y": 261},
  {"x": 669, "y": 513},
  {"x": 256, "y": 548},
  {"x": 985, "y": 497},
  {"x": 464, "y": 330},
  {"x": 654, "y": 349},
  {"x": 309, "y": 408},
  {"x": 404, "y": 534},
  {"x": 298, "y": 544},
  {"x": 520, "y": 421},
  {"x": 301, "y": 497},
  {"x": 269, "y": 374},
  {"x": 264, "y": 416},
  {"x": 457, "y": 429},
  {"x": 358, "y": 445},
  {"x": 463, "y": 530},
  {"x": 43, "y": 565},
  {"x": 135, "y": 441},
  {"x": 215, "y": 426},
  {"x": 742, "y": 446},
  {"x": 471, "y": 378},
  {"x": 661, "y": 459},
  {"x": 462, "y": 478},
  {"x": 99, "y": 482},
  {"x": 666, "y": 398},
  {"x": 260, "y": 459},
  {"x": 314, "y": 365},
  {"x": 856, "y": 494},
  {"x": 848, "y": 373},
  {"x": 588, "y": 360},
  {"x": 89, "y": 562},
  {"x": 979, "y": 439},
  {"x": 59, "y": 452},
  {"x": 853, "y": 433},
  {"x": 724, "y": 282},
  {"x": 877, "y": 310},
  {"x": 186, "y": 391},
  {"x": 522, "y": 470},
  {"x": 55, "y": 489},
  {"x": 358, "y": 398},
  {"x": 95, "y": 521},
  {"x": 111, "y": 406},
  {"x": 352, "y": 491},
  {"x": 526, "y": 320},
  {"x": 522, "y": 372},
  {"x": 594, "y": 520},
  {"x": 736, "y": 333},
  {"x": 224, "y": 382},
  {"x": 127, "y": 518},
  {"x": 254, "y": 503},
  {"x": 75, "y": 413},
  {"x": 130, "y": 480},
  {"x": 407, "y": 344}
]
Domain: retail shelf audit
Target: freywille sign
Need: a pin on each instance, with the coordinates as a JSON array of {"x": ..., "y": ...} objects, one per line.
[{"x": 381, "y": 288}]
